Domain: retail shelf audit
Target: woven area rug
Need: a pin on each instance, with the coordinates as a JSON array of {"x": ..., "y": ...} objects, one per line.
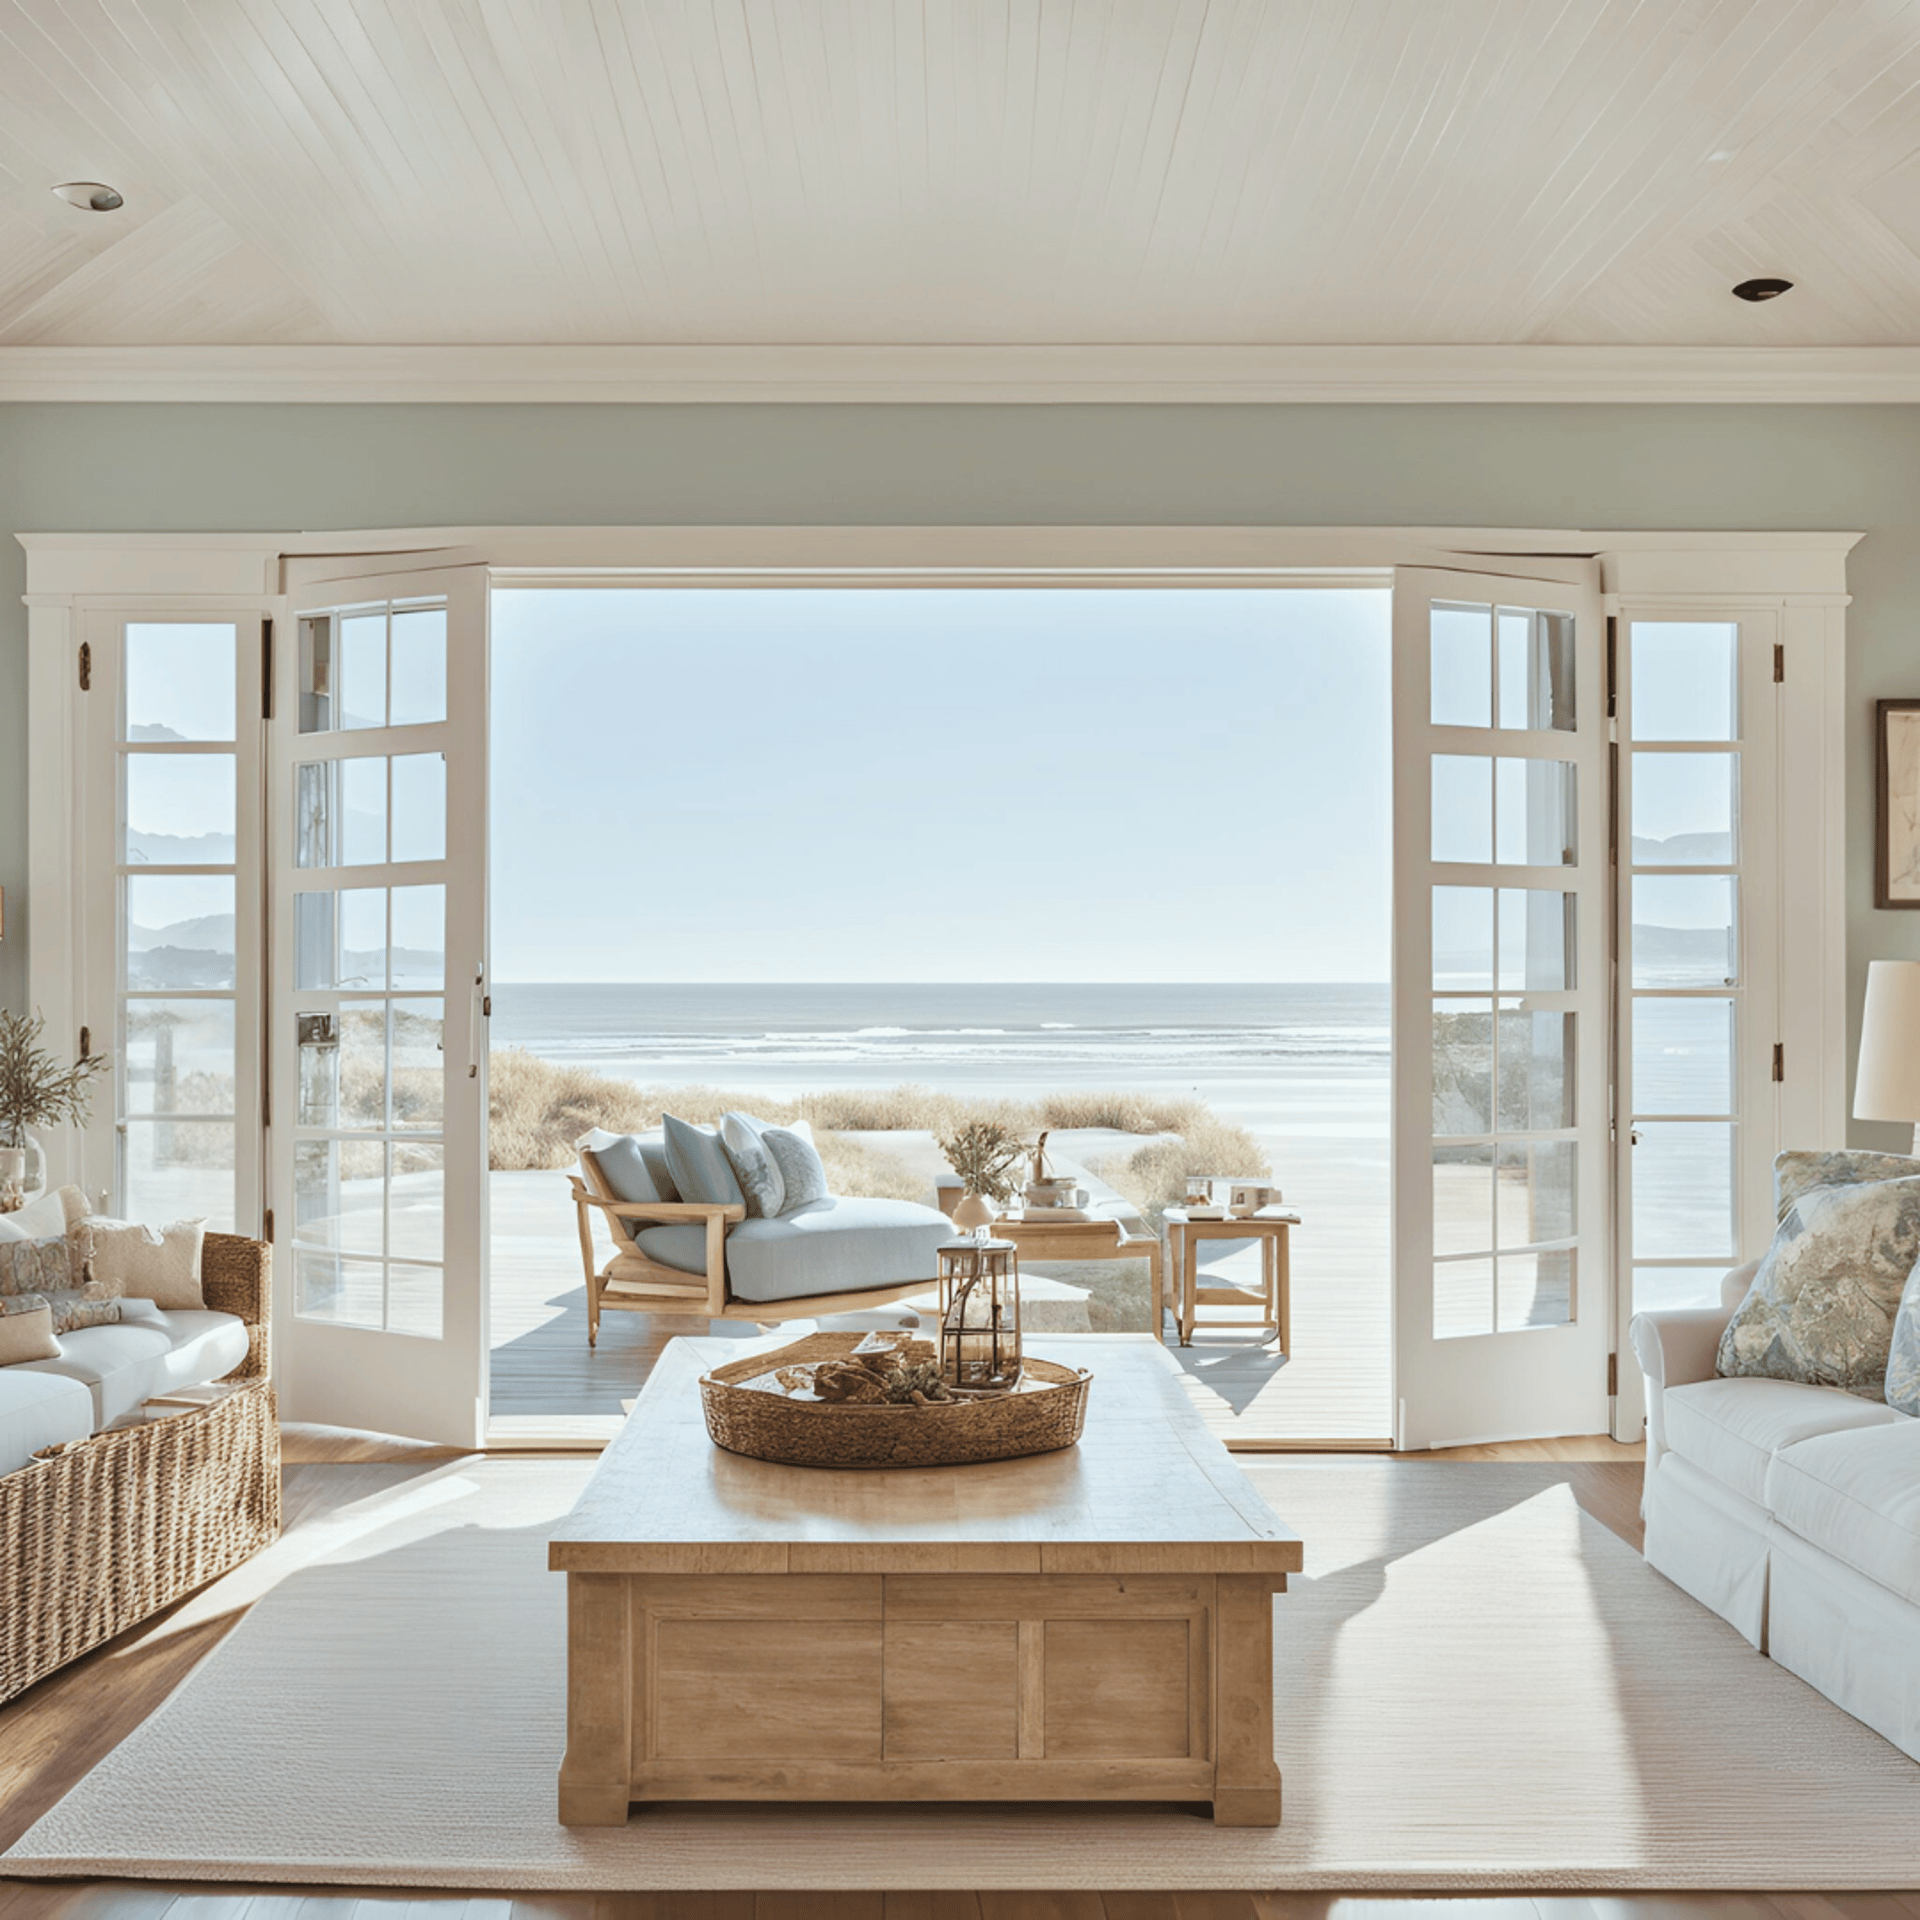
[{"x": 1477, "y": 1687}]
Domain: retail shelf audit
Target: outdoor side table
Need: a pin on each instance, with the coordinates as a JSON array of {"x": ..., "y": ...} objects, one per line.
[{"x": 1272, "y": 1231}]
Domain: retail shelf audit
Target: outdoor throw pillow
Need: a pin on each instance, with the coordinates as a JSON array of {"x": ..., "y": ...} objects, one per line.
[
  {"x": 1822, "y": 1305},
  {"x": 26, "y": 1329},
  {"x": 699, "y": 1164},
  {"x": 161, "y": 1264},
  {"x": 35, "y": 1266},
  {"x": 1795, "y": 1173},
  {"x": 1903, "y": 1361},
  {"x": 801, "y": 1172},
  {"x": 633, "y": 1168},
  {"x": 753, "y": 1166}
]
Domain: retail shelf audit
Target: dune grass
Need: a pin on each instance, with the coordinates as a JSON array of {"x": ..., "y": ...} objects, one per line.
[{"x": 538, "y": 1109}]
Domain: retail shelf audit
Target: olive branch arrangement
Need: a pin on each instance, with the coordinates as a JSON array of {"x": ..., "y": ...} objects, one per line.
[
  {"x": 35, "y": 1090},
  {"x": 984, "y": 1153}
]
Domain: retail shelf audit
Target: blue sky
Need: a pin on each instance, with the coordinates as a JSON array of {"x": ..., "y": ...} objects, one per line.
[{"x": 810, "y": 784}]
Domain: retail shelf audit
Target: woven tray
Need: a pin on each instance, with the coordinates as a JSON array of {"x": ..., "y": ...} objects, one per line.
[{"x": 1046, "y": 1412}]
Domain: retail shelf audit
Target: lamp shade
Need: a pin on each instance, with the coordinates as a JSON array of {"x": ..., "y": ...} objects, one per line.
[{"x": 1887, "y": 1086}]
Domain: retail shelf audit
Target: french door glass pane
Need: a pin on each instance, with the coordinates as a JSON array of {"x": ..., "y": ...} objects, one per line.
[
  {"x": 419, "y": 1068},
  {"x": 1462, "y": 1067},
  {"x": 330, "y": 1286},
  {"x": 1661, "y": 1289},
  {"x": 362, "y": 689},
  {"x": 1463, "y": 938},
  {"x": 1536, "y": 670},
  {"x": 1682, "y": 1056},
  {"x": 1533, "y": 813},
  {"x": 1683, "y": 930},
  {"x": 180, "y": 930},
  {"x": 341, "y": 939},
  {"x": 1535, "y": 1289},
  {"x": 179, "y": 681},
  {"x": 1463, "y": 808},
  {"x": 1683, "y": 1190},
  {"x": 1536, "y": 941},
  {"x": 340, "y": 1196},
  {"x": 1683, "y": 680},
  {"x": 419, "y": 811},
  {"x": 419, "y": 666},
  {"x": 1537, "y": 1193},
  {"x": 1462, "y": 1298},
  {"x": 419, "y": 957},
  {"x": 177, "y": 1056},
  {"x": 1463, "y": 1199},
  {"x": 1683, "y": 809},
  {"x": 414, "y": 1300},
  {"x": 1462, "y": 656},
  {"x": 416, "y": 1199},
  {"x": 1536, "y": 1071},
  {"x": 179, "y": 809},
  {"x": 178, "y": 1170}
]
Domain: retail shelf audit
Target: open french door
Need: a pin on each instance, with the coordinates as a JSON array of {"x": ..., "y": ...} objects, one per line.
[
  {"x": 1502, "y": 1162},
  {"x": 376, "y": 1043}
]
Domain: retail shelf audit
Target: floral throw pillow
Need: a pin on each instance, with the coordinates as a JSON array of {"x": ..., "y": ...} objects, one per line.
[
  {"x": 1822, "y": 1305},
  {"x": 800, "y": 1166},
  {"x": 35, "y": 1266},
  {"x": 1795, "y": 1172},
  {"x": 753, "y": 1166},
  {"x": 90, "y": 1306}
]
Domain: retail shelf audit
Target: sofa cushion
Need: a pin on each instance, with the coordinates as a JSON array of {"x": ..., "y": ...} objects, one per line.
[
  {"x": 26, "y": 1329},
  {"x": 1796, "y": 1172},
  {"x": 125, "y": 1365},
  {"x": 39, "y": 1410},
  {"x": 1731, "y": 1429},
  {"x": 1857, "y": 1497},
  {"x": 1822, "y": 1304},
  {"x": 830, "y": 1246},
  {"x": 699, "y": 1164},
  {"x": 633, "y": 1167},
  {"x": 753, "y": 1164}
]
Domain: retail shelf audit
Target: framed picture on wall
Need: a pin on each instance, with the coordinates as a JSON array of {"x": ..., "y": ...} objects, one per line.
[{"x": 1896, "y": 870}]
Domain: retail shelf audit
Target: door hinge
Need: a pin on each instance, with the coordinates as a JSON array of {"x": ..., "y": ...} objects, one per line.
[
  {"x": 1779, "y": 1060},
  {"x": 266, "y": 669},
  {"x": 486, "y": 1006},
  {"x": 267, "y": 1227},
  {"x": 1779, "y": 662},
  {"x": 1613, "y": 1373},
  {"x": 86, "y": 1043},
  {"x": 1613, "y": 657},
  {"x": 86, "y": 666}
]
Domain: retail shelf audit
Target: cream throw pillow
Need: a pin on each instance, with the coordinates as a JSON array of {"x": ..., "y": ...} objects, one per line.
[
  {"x": 26, "y": 1329},
  {"x": 161, "y": 1264}
]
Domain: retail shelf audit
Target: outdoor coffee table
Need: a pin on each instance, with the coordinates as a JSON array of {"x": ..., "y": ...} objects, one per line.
[
  {"x": 1042, "y": 1240},
  {"x": 1095, "y": 1624},
  {"x": 1273, "y": 1231}
]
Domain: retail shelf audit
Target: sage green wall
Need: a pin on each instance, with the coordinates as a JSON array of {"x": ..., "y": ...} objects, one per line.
[{"x": 126, "y": 468}]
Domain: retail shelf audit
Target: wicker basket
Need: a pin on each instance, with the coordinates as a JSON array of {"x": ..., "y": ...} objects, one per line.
[{"x": 1047, "y": 1412}]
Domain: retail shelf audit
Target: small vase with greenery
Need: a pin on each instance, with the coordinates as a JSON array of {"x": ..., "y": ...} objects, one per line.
[
  {"x": 985, "y": 1154},
  {"x": 36, "y": 1091}
]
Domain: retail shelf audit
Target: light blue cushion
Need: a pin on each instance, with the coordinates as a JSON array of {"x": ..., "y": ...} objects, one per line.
[
  {"x": 699, "y": 1164},
  {"x": 634, "y": 1166},
  {"x": 753, "y": 1166},
  {"x": 828, "y": 1246},
  {"x": 801, "y": 1171}
]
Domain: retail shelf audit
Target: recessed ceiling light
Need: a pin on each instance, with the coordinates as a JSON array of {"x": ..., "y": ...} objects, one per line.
[
  {"x": 1762, "y": 289},
  {"x": 91, "y": 196}
]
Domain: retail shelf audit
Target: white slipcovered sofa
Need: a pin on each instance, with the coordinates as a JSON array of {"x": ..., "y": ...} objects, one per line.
[{"x": 1793, "y": 1511}]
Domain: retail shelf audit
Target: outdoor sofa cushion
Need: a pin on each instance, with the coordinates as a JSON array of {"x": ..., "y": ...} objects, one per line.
[
  {"x": 1857, "y": 1497},
  {"x": 634, "y": 1166},
  {"x": 1732, "y": 1429},
  {"x": 120, "y": 1366},
  {"x": 39, "y": 1410},
  {"x": 830, "y": 1246}
]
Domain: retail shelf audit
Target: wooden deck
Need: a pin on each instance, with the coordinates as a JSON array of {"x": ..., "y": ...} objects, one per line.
[{"x": 1334, "y": 1389}]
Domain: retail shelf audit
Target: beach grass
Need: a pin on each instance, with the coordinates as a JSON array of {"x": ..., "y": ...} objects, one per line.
[{"x": 538, "y": 1109}]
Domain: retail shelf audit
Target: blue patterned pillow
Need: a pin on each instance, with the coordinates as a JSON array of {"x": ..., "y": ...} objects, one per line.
[
  {"x": 1796, "y": 1172},
  {"x": 801, "y": 1171},
  {"x": 699, "y": 1164},
  {"x": 1903, "y": 1361},
  {"x": 1823, "y": 1303},
  {"x": 753, "y": 1166}
]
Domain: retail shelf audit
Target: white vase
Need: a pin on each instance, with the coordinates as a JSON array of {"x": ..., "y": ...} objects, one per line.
[
  {"x": 13, "y": 1177},
  {"x": 972, "y": 1210},
  {"x": 36, "y": 1176}
]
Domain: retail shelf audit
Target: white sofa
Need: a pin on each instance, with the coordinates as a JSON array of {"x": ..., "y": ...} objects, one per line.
[{"x": 1792, "y": 1511}]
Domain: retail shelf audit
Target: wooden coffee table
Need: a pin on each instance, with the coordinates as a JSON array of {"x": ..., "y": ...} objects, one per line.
[
  {"x": 1089, "y": 1625},
  {"x": 1040, "y": 1239}
]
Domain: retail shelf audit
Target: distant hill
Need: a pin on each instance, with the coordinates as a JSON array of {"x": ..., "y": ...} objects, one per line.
[
  {"x": 1684, "y": 850},
  {"x": 181, "y": 850},
  {"x": 210, "y": 931}
]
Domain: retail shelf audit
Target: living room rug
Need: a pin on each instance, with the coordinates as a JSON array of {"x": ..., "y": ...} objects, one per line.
[{"x": 1477, "y": 1686}]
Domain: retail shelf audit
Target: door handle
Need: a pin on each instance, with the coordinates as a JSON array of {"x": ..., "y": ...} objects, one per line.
[{"x": 475, "y": 1017}]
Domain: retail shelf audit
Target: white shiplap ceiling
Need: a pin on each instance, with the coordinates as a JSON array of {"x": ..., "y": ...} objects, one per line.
[{"x": 1474, "y": 172}]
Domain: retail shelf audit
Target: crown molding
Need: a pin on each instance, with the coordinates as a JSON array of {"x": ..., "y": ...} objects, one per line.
[{"x": 944, "y": 375}]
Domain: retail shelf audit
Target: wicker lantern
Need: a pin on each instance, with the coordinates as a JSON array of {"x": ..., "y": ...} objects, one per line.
[{"x": 980, "y": 1315}]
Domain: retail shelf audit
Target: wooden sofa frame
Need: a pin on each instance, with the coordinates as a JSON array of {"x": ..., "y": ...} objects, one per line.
[
  {"x": 631, "y": 1283},
  {"x": 109, "y": 1530}
]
